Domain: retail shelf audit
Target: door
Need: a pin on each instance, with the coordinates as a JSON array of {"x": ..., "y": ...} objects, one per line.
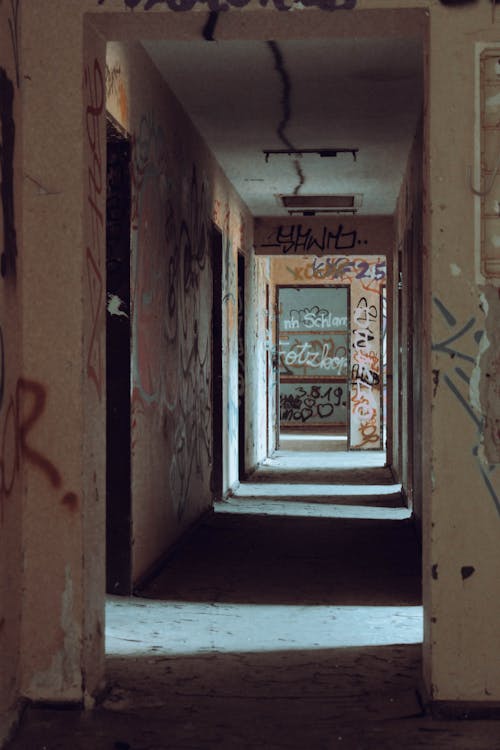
[{"x": 118, "y": 430}]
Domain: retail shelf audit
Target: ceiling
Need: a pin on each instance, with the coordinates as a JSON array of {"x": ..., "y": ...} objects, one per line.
[{"x": 353, "y": 93}]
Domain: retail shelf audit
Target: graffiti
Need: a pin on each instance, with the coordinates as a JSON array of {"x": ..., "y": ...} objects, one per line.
[
  {"x": 24, "y": 410},
  {"x": 362, "y": 373},
  {"x": 344, "y": 268},
  {"x": 457, "y": 346},
  {"x": 7, "y": 145},
  {"x": 112, "y": 76},
  {"x": 294, "y": 238},
  {"x": 14, "y": 36},
  {"x": 365, "y": 375},
  {"x": 217, "y": 5},
  {"x": 370, "y": 273},
  {"x": 115, "y": 88},
  {"x": 171, "y": 288},
  {"x": 303, "y": 404},
  {"x": 320, "y": 354},
  {"x": 95, "y": 251},
  {"x": 313, "y": 318}
]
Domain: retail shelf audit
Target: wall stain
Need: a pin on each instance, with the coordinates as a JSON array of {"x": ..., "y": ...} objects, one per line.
[
  {"x": 25, "y": 408},
  {"x": 467, "y": 571}
]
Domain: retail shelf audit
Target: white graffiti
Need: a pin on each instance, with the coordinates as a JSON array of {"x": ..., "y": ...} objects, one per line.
[
  {"x": 304, "y": 355},
  {"x": 312, "y": 321}
]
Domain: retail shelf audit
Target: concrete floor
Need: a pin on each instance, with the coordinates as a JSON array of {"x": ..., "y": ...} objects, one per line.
[{"x": 290, "y": 619}]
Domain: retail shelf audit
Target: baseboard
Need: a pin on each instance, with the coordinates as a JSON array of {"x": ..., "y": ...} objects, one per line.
[
  {"x": 152, "y": 571},
  {"x": 464, "y": 710}
]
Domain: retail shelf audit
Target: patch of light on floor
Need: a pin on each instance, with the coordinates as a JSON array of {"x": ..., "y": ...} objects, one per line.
[
  {"x": 303, "y": 460},
  {"x": 273, "y": 507},
  {"x": 143, "y": 626},
  {"x": 261, "y": 489}
]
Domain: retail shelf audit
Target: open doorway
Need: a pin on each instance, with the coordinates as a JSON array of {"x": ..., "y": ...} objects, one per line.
[
  {"x": 342, "y": 342},
  {"x": 313, "y": 343},
  {"x": 118, "y": 350}
]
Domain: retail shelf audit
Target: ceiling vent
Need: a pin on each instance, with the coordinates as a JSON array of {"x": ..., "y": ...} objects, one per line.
[{"x": 310, "y": 205}]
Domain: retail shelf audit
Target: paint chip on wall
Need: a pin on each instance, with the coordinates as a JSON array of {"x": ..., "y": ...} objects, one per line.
[
  {"x": 455, "y": 270},
  {"x": 114, "y": 305}
]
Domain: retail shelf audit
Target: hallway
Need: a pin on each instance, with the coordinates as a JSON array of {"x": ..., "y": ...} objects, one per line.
[{"x": 290, "y": 618}]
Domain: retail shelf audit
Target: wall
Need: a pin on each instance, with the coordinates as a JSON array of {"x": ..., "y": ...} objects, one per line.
[
  {"x": 177, "y": 191},
  {"x": 462, "y": 477},
  {"x": 13, "y": 388}
]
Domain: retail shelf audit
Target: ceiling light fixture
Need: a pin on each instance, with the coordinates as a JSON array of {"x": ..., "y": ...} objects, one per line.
[
  {"x": 323, "y": 152},
  {"x": 311, "y": 205}
]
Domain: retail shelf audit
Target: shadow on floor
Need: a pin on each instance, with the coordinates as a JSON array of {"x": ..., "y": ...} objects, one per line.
[
  {"x": 275, "y": 632},
  {"x": 288, "y": 560}
]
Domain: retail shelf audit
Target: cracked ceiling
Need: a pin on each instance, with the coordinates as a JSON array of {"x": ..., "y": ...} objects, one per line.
[{"x": 246, "y": 97}]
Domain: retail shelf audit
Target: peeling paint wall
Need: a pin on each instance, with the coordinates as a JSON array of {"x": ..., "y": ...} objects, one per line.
[
  {"x": 11, "y": 447},
  {"x": 177, "y": 191}
]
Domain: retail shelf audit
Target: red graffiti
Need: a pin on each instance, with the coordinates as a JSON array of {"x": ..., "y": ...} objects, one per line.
[
  {"x": 24, "y": 411},
  {"x": 95, "y": 88}
]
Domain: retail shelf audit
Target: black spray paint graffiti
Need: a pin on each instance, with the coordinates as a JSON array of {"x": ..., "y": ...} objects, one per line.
[
  {"x": 7, "y": 145},
  {"x": 295, "y": 239},
  {"x": 217, "y": 5},
  {"x": 172, "y": 333},
  {"x": 317, "y": 403},
  {"x": 459, "y": 377}
]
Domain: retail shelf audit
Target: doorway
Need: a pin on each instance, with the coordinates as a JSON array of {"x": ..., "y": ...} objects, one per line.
[
  {"x": 118, "y": 349},
  {"x": 313, "y": 382}
]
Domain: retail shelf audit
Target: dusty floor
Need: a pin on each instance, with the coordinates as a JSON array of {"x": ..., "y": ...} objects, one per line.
[{"x": 291, "y": 618}]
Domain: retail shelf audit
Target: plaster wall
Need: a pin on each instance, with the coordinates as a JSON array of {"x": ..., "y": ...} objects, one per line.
[
  {"x": 462, "y": 491},
  {"x": 62, "y": 333},
  {"x": 177, "y": 191},
  {"x": 11, "y": 382}
]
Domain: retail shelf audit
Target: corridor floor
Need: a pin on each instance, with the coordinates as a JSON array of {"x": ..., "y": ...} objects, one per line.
[{"x": 290, "y": 618}]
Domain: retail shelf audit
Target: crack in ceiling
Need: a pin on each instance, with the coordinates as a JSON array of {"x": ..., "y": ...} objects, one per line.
[{"x": 286, "y": 96}]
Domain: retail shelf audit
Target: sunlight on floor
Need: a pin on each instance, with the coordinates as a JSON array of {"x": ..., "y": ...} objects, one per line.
[
  {"x": 140, "y": 626},
  {"x": 258, "y": 504}
]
